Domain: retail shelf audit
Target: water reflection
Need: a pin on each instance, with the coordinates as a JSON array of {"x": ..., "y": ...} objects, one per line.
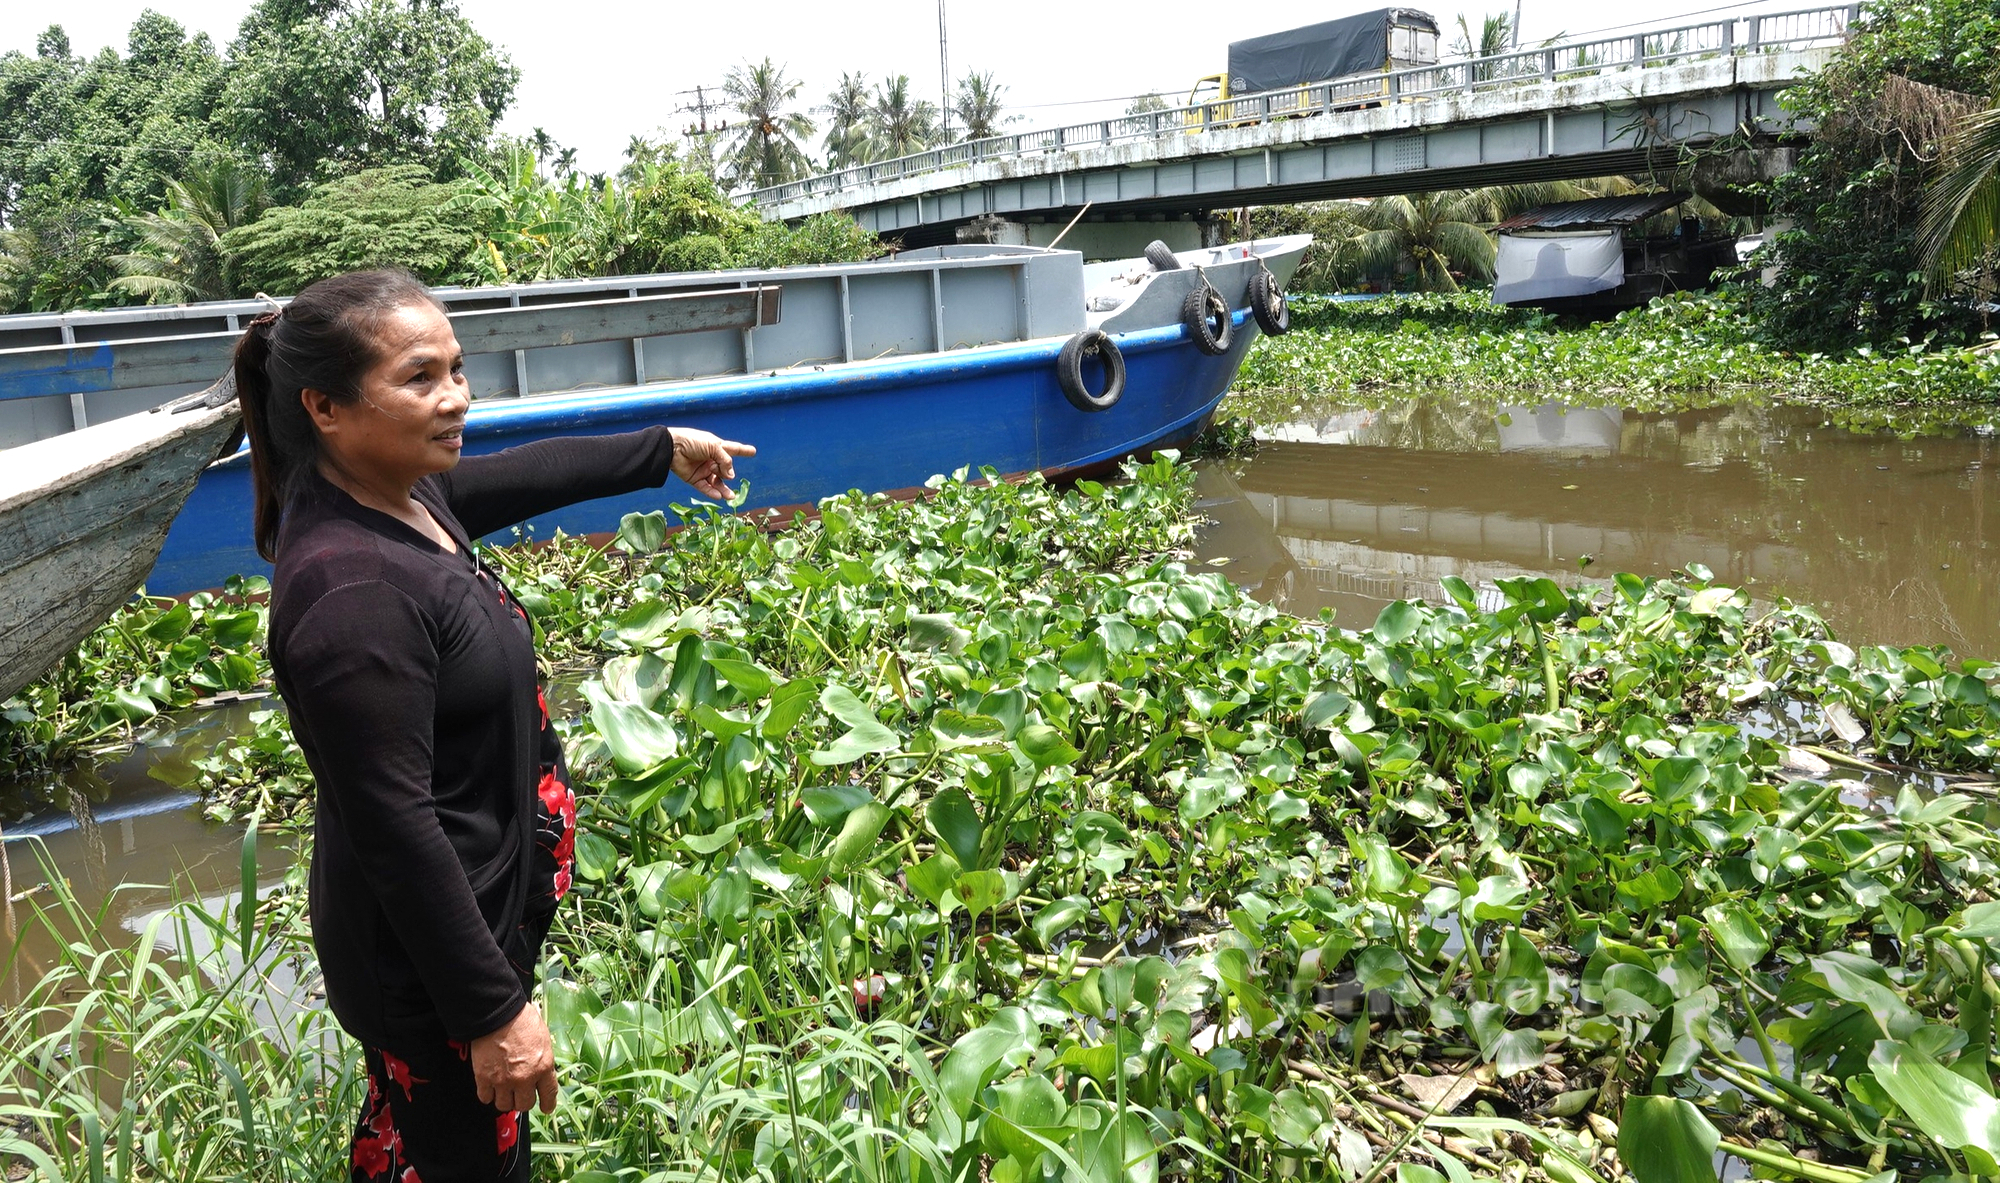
[
  {"x": 1889, "y": 538},
  {"x": 125, "y": 845}
]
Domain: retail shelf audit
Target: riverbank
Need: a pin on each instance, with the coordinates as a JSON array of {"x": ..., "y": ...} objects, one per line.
[
  {"x": 1676, "y": 351},
  {"x": 985, "y": 834}
]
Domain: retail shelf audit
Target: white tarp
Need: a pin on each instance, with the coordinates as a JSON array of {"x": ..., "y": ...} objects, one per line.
[{"x": 1544, "y": 266}]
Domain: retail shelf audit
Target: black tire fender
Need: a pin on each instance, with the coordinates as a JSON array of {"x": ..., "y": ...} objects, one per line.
[
  {"x": 1161, "y": 256},
  {"x": 1069, "y": 370},
  {"x": 1269, "y": 306},
  {"x": 1206, "y": 315}
]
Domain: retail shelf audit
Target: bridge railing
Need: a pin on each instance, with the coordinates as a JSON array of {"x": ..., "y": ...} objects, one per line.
[{"x": 1649, "y": 48}]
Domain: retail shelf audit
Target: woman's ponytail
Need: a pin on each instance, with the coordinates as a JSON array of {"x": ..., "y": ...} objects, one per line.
[
  {"x": 253, "y": 394},
  {"x": 325, "y": 340}
]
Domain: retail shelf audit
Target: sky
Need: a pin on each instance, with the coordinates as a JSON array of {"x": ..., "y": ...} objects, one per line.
[{"x": 596, "y": 72}]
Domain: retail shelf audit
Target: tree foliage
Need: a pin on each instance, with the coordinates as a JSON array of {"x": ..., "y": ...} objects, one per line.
[
  {"x": 1961, "y": 226},
  {"x": 1494, "y": 36},
  {"x": 335, "y": 134},
  {"x": 978, "y": 106},
  {"x": 899, "y": 123},
  {"x": 1425, "y": 241},
  {"x": 767, "y": 147},
  {"x": 847, "y": 122},
  {"x": 394, "y": 216},
  {"x": 1437, "y": 236},
  {"x": 1851, "y": 270},
  {"x": 324, "y": 86},
  {"x": 180, "y": 255},
  {"x": 658, "y": 215}
]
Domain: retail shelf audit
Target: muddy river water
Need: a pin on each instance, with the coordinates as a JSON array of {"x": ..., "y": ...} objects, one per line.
[{"x": 1893, "y": 540}]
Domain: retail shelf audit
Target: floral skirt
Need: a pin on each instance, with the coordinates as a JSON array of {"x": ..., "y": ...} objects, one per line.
[{"x": 423, "y": 1121}]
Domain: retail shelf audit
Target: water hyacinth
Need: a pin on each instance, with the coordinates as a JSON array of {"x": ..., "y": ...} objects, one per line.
[
  {"x": 984, "y": 837},
  {"x": 1658, "y": 356}
]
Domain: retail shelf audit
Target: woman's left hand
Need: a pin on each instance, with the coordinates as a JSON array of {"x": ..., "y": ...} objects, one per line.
[
  {"x": 705, "y": 460},
  {"x": 515, "y": 1066}
]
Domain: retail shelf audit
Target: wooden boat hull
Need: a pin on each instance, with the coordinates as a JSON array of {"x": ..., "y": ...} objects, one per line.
[{"x": 82, "y": 519}]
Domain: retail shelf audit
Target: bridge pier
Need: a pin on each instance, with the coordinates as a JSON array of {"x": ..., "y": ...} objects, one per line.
[{"x": 1733, "y": 181}]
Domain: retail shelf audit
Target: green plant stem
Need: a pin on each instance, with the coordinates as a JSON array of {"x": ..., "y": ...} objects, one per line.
[{"x": 1791, "y": 1165}]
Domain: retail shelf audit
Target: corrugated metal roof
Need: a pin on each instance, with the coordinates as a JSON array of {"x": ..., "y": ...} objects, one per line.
[{"x": 1598, "y": 211}]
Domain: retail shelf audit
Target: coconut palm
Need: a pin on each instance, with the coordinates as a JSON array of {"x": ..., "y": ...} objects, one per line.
[
  {"x": 899, "y": 123},
  {"x": 847, "y": 120},
  {"x": 977, "y": 105},
  {"x": 1329, "y": 263},
  {"x": 1496, "y": 36},
  {"x": 765, "y": 147},
  {"x": 1429, "y": 235},
  {"x": 1508, "y": 200},
  {"x": 1961, "y": 218},
  {"x": 180, "y": 256}
]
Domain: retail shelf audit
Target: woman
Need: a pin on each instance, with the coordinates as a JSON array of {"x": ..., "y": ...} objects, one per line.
[{"x": 444, "y": 823}]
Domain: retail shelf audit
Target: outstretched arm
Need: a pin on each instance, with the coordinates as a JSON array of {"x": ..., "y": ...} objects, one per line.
[{"x": 494, "y": 491}]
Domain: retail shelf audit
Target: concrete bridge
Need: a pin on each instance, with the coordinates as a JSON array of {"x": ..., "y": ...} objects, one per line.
[{"x": 1633, "y": 103}]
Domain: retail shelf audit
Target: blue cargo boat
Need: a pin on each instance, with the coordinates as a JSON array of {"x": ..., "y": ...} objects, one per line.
[{"x": 872, "y": 376}]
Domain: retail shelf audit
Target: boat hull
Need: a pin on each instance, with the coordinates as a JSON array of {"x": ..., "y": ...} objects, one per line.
[
  {"x": 881, "y": 426},
  {"x": 73, "y": 548}
]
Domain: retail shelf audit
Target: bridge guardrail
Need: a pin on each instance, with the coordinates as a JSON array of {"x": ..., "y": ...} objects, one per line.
[{"x": 1803, "y": 28}]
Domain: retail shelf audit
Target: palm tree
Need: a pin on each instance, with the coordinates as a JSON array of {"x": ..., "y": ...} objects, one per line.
[
  {"x": 543, "y": 145},
  {"x": 847, "y": 119},
  {"x": 898, "y": 124},
  {"x": 180, "y": 256},
  {"x": 19, "y": 254},
  {"x": 977, "y": 106},
  {"x": 764, "y": 149},
  {"x": 1509, "y": 200},
  {"x": 643, "y": 153},
  {"x": 1431, "y": 235},
  {"x": 1496, "y": 36},
  {"x": 1961, "y": 218}
]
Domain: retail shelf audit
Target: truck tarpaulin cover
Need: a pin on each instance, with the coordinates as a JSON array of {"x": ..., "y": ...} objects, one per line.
[
  {"x": 1546, "y": 266},
  {"x": 1316, "y": 53}
]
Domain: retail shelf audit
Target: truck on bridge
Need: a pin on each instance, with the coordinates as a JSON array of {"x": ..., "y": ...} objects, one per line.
[{"x": 1343, "y": 51}]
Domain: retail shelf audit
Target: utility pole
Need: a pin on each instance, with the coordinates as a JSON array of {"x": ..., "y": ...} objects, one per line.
[
  {"x": 699, "y": 108},
  {"x": 700, "y": 133},
  {"x": 944, "y": 79}
]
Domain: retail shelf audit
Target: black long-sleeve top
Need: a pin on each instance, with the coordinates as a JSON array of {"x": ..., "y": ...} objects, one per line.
[{"x": 412, "y": 688}]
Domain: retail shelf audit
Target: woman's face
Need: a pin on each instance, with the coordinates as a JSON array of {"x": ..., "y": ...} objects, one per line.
[{"x": 410, "y": 419}]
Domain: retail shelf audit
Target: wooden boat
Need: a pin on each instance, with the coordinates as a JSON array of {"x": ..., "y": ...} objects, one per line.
[
  {"x": 871, "y": 376},
  {"x": 82, "y": 517}
]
